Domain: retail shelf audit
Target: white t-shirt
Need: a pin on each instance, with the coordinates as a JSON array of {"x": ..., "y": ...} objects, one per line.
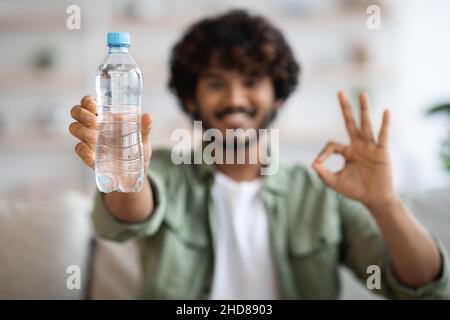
[{"x": 243, "y": 264}]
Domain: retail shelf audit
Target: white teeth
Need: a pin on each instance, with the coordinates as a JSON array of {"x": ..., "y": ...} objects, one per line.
[{"x": 235, "y": 119}]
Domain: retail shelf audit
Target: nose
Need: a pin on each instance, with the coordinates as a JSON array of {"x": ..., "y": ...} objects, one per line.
[{"x": 236, "y": 96}]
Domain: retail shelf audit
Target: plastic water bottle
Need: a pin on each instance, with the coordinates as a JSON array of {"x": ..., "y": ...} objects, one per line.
[{"x": 119, "y": 156}]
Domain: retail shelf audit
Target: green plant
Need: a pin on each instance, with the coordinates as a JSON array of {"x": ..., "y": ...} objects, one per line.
[{"x": 445, "y": 151}]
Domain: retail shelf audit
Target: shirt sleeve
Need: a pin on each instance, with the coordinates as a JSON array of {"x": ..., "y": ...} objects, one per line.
[
  {"x": 107, "y": 226},
  {"x": 363, "y": 246}
]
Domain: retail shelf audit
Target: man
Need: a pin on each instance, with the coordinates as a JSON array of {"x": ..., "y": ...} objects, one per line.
[{"x": 224, "y": 231}]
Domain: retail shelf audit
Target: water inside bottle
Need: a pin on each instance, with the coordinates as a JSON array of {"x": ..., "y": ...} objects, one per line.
[{"x": 119, "y": 150}]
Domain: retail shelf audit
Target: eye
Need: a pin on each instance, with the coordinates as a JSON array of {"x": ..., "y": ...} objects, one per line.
[
  {"x": 214, "y": 85},
  {"x": 252, "y": 82}
]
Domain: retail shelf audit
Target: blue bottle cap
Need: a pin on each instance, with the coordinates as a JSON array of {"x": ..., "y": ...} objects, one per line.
[{"x": 119, "y": 39}]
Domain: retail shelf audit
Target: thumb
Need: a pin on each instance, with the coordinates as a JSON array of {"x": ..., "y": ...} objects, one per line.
[{"x": 146, "y": 126}]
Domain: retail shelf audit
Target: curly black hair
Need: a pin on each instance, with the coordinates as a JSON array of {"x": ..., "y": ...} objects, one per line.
[{"x": 234, "y": 40}]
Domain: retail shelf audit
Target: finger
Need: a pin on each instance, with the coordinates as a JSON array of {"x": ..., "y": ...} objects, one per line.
[
  {"x": 329, "y": 178},
  {"x": 84, "y": 116},
  {"x": 348, "y": 116},
  {"x": 366, "y": 127},
  {"x": 120, "y": 117},
  {"x": 84, "y": 134},
  {"x": 384, "y": 131},
  {"x": 86, "y": 154},
  {"x": 329, "y": 149},
  {"x": 146, "y": 127},
  {"x": 89, "y": 103}
]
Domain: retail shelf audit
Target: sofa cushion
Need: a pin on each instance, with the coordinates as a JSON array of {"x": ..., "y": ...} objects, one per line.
[{"x": 41, "y": 237}]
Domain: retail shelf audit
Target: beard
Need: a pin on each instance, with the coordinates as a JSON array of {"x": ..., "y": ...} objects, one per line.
[{"x": 238, "y": 144}]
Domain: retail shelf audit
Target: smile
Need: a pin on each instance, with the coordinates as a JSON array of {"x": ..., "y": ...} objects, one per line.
[{"x": 235, "y": 119}]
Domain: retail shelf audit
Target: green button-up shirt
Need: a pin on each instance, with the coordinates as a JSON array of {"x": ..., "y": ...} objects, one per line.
[{"x": 312, "y": 229}]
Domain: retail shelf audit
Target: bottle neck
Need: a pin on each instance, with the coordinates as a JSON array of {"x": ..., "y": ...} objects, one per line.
[{"x": 118, "y": 49}]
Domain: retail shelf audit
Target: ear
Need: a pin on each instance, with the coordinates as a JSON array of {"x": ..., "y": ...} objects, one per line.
[
  {"x": 278, "y": 103},
  {"x": 190, "y": 105}
]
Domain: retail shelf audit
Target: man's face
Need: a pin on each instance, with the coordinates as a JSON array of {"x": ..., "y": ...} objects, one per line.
[{"x": 228, "y": 99}]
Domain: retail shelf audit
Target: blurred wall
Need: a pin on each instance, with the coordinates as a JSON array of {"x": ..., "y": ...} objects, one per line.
[{"x": 45, "y": 69}]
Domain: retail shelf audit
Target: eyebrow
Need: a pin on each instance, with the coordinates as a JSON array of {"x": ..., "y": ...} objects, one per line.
[{"x": 211, "y": 74}]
